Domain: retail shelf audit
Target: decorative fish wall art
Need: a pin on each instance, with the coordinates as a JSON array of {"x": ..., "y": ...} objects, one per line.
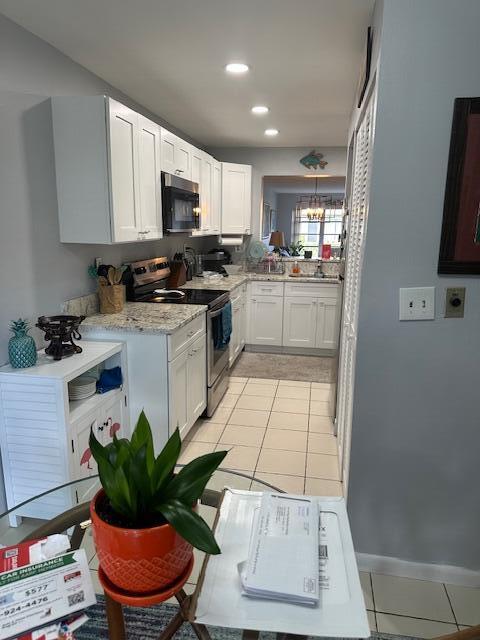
[{"x": 313, "y": 160}]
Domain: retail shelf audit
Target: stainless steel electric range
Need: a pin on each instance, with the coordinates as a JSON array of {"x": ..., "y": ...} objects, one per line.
[{"x": 146, "y": 282}]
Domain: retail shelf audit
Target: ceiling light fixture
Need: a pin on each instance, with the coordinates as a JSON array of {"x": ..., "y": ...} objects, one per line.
[
  {"x": 318, "y": 175},
  {"x": 237, "y": 67},
  {"x": 260, "y": 109},
  {"x": 271, "y": 132}
]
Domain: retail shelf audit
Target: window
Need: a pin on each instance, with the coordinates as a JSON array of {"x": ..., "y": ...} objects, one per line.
[{"x": 313, "y": 234}]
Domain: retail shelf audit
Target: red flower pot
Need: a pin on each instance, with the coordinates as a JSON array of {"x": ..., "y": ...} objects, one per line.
[{"x": 139, "y": 560}]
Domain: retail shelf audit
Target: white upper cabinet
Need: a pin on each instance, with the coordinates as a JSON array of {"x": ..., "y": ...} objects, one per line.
[
  {"x": 209, "y": 182},
  {"x": 124, "y": 172},
  {"x": 236, "y": 198},
  {"x": 149, "y": 178},
  {"x": 216, "y": 208},
  {"x": 176, "y": 155},
  {"x": 107, "y": 160},
  {"x": 196, "y": 158}
]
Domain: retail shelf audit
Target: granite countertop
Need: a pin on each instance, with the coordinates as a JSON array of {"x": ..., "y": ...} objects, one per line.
[
  {"x": 232, "y": 282},
  {"x": 143, "y": 316}
]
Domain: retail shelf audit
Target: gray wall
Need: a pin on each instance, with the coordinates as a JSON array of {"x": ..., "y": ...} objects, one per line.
[
  {"x": 281, "y": 161},
  {"x": 414, "y": 491},
  {"x": 37, "y": 273}
]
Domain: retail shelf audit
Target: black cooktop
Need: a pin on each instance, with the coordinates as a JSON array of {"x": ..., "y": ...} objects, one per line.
[{"x": 208, "y": 297}]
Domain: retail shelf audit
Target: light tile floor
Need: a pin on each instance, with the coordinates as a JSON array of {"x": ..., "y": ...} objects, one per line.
[
  {"x": 280, "y": 432},
  {"x": 276, "y": 430}
]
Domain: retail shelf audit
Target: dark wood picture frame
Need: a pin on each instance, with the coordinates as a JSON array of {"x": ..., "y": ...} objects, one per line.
[
  {"x": 461, "y": 209},
  {"x": 365, "y": 73}
]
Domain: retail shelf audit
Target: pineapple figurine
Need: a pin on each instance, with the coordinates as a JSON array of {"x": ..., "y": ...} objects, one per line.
[{"x": 22, "y": 351}]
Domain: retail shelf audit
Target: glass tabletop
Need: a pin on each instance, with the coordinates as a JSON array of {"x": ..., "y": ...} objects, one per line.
[{"x": 20, "y": 522}]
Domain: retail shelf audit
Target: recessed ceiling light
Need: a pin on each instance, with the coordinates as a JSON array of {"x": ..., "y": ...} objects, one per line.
[
  {"x": 260, "y": 109},
  {"x": 236, "y": 67},
  {"x": 271, "y": 132}
]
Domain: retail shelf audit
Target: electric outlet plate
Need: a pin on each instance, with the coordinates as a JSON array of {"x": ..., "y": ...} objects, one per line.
[
  {"x": 454, "y": 302},
  {"x": 417, "y": 303}
]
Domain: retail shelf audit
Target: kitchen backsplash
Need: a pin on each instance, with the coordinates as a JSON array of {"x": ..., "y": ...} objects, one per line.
[
  {"x": 82, "y": 306},
  {"x": 329, "y": 267}
]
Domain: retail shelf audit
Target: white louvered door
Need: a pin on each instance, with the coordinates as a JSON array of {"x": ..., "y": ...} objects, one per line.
[{"x": 358, "y": 210}]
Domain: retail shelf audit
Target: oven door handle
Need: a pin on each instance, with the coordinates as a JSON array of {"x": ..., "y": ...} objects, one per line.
[{"x": 215, "y": 313}]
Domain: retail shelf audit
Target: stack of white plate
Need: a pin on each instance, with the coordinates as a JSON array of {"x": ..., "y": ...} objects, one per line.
[{"x": 82, "y": 387}]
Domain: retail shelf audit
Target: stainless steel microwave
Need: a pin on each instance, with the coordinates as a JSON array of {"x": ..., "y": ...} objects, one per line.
[{"x": 180, "y": 204}]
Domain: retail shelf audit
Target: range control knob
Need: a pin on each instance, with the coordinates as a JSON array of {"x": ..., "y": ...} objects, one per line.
[{"x": 455, "y": 301}]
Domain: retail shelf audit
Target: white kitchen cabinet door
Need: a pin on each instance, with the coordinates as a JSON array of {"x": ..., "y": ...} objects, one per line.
[
  {"x": 265, "y": 320},
  {"x": 176, "y": 155},
  {"x": 235, "y": 338},
  {"x": 83, "y": 461},
  {"x": 299, "y": 321},
  {"x": 243, "y": 322},
  {"x": 124, "y": 164},
  {"x": 216, "y": 200},
  {"x": 206, "y": 195},
  {"x": 177, "y": 393},
  {"x": 236, "y": 198},
  {"x": 196, "y": 170},
  {"x": 149, "y": 178},
  {"x": 327, "y": 324},
  {"x": 114, "y": 420},
  {"x": 196, "y": 380}
]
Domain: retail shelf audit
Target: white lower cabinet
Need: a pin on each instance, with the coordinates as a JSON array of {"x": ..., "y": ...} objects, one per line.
[
  {"x": 299, "y": 322},
  {"x": 197, "y": 379},
  {"x": 297, "y": 315},
  {"x": 265, "y": 320},
  {"x": 177, "y": 393},
  {"x": 187, "y": 384},
  {"x": 238, "y": 337},
  {"x": 327, "y": 324}
]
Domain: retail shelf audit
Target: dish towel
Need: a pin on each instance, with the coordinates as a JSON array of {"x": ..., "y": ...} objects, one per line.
[
  {"x": 109, "y": 379},
  {"x": 226, "y": 323},
  {"x": 222, "y": 327}
]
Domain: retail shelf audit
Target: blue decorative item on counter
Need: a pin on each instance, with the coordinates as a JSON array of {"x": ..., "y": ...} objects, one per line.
[
  {"x": 22, "y": 351},
  {"x": 110, "y": 379}
]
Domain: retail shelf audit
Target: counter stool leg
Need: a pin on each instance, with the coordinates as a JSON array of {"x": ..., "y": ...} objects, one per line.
[{"x": 116, "y": 623}]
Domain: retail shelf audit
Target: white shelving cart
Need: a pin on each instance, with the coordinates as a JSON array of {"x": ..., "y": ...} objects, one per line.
[{"x": 44, "y": 435}]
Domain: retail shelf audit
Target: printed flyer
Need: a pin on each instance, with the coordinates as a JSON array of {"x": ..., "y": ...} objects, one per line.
[{"x": 36, "y": 595}]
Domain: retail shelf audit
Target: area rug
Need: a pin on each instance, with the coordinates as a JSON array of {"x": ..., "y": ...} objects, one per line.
[
  {"x": 284, "y": 367},
  {"x": 147, "y": 623}
]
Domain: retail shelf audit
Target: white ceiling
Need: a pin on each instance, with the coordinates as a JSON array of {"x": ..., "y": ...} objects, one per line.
[{"x": 168, "y": 55}]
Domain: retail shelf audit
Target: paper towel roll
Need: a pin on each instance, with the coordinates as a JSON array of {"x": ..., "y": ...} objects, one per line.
[{"x": 231, "y": 240}]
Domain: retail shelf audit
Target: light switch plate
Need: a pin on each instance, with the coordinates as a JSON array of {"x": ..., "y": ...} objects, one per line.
[{"x": 417, "y": 303}]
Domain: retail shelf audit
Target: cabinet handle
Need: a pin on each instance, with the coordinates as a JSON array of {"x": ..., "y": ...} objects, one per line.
[{"x": 191, "y": 333}]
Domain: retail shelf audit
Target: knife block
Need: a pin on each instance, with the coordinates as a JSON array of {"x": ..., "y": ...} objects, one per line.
[{"x": 178, "y": 274}]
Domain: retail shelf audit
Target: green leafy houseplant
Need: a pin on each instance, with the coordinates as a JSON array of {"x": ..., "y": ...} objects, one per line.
[
  {"x": 142, "y": 489},
  {"x": 295, "y": 248}
]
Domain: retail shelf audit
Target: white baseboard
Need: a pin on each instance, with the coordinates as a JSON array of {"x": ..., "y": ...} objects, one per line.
[{"x": 420, "y": 571}]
